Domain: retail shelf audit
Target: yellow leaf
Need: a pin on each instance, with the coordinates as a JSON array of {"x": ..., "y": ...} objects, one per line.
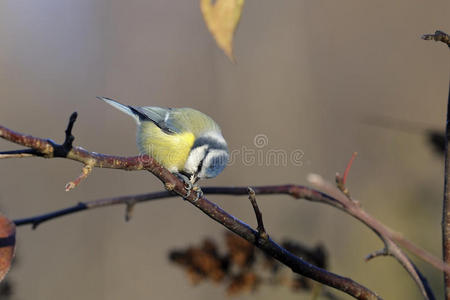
[{"x": 222, "y": 19}]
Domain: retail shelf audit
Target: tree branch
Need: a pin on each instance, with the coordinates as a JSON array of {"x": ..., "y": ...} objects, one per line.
[
  {"x": 35, "y": 221},
  {"x": 387, "y": 236},
  {"x": 446, "y": 204},
  {"x": 19, "y": 153},
  {"x": 295, "y": 191},
  {"x": 49, "y": 149},
  {"x": 259, "y": 219},
  {"x": 438, "y": 36}
]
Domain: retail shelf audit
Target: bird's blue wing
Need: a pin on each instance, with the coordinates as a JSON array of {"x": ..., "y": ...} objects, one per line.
[
  {"x": 158, "y": 115},
  {"x": 161, "y": 117}
]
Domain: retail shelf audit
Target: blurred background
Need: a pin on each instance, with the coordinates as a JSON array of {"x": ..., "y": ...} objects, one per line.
[{"x": 309, "y": 74}]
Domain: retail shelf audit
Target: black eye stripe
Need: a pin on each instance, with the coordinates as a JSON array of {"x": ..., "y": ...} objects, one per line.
[{"x": 200, "y": 165}]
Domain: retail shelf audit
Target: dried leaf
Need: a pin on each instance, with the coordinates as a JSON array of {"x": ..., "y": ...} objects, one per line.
[
  {"x": 244, "y": 282},
  {"x": 243, "y": 269},
  {"x": 222, "y": 19},
  {"x": 201, "y": 262},
  {"x": 7, "y": 244}
]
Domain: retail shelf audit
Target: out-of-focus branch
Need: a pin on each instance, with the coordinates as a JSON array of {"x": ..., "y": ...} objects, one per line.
[
  {"x": 446, "y": 204},
  {"x": 444, "y": 141},
  {"x": 19, "y": 153},
  {"x": 35, "y": 221},
  {"x": 49, "y": 149},
  {"x": 296, "y": 191},
  {"x": 388, "y": 237},
  {"x": 438, "y": 36}
]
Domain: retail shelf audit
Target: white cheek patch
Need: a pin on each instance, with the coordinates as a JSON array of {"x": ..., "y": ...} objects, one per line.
[{"x": 195, "y": 157}]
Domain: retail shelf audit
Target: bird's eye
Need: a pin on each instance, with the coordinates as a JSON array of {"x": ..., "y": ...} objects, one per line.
[{"x": 215, "y": 162}]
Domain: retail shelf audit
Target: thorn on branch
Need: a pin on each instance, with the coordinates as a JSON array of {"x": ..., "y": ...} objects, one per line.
[
  {"x": 63, "y": 149},
  {"x": 381, "y": 252},
  {"x": 129, "y": 208},
  {"x": 349, "y": 165},
  {"x": 438, "y": 36},
  {"x": 69, "y": 137},
  {"x": 87, "y": 169},
  {"x": 341, "y": 180},
  {"x": 261, "y": 231},
  {"x": 35, "y": 225}
]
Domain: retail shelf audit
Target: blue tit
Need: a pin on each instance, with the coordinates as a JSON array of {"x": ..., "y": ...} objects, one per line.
[{"x": 183, "y": 140}]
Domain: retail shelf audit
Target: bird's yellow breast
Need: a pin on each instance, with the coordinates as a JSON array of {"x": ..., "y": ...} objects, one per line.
[{"x": 170, "y": 150}]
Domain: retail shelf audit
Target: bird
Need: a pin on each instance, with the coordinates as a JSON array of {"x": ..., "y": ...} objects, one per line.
[{"x": 185, "y": 141}]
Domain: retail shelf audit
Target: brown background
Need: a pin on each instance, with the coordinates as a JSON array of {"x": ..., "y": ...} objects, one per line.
[{"x": 308, "y": 74}]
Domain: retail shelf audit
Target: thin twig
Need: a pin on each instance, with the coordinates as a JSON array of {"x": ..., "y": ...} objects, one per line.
[
  {"x": 349, "y": 166},
  {"x": 341, "y": 180},
  {"x": 49, "y": 149},
  {"x": 87, "y": 169},
  {"x": 419, "y": 252},
  {"x": 129, "y": 208},
  {"x": 18, "y": 153},
  {"x": 381, "y": 252},
  {"x": 296, "y": 191},
  {"x": 260, "y": 227},
  {"x": 82, "y": 206},
  {"x": 438, "y": 36},
  {"x": 446, "y": 205}
]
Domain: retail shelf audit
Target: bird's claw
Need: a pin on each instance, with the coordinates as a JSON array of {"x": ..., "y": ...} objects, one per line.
[
  {"x": 188, "y": 185},
  {"x": 199, "y": 192}
]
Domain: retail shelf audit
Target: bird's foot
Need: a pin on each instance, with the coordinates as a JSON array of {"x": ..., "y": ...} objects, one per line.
[
  {"x": 199, "y": 191},
  {"x": 189, "y": 186}
]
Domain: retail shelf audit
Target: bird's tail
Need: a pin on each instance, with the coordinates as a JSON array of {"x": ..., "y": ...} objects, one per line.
[{"x": 125, "y": 108}]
